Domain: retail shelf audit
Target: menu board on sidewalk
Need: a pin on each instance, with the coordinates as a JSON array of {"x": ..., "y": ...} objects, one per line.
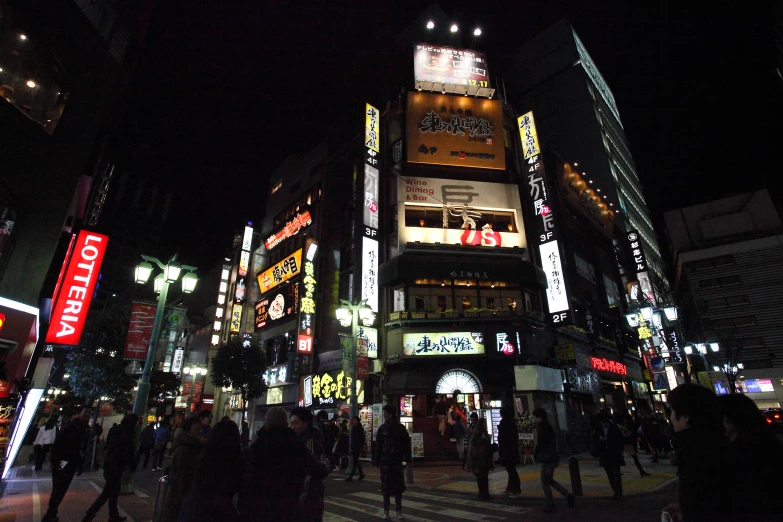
[
  {"x": 495, "y": 423},
  {"x": 417, "y": 445}
]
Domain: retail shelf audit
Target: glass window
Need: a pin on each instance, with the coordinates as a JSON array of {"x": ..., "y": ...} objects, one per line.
[
  {"x": 737, "y": 300},
  {"x": 528, "y": 302},
  {"x": 418, "y": 303},
  {"x": 442, "y": 303},
  {"x": 432, "y": 217},
  {"x": 490, "y": 303},
  {"x": 584, "y": 269},
  {"x": 466, "y": 302}
]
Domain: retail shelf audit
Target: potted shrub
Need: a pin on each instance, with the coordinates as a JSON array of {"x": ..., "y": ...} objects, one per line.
[
  {"x": 419, "y": 315},
  {"x": 434, "y": 314},
  {"x": 396, "y": 316},
  {"x": 483, "y": 312},
  {"x": 499, "y": 312},
  {"x": 451, "y": 314},
  {"x": 471, "y": 312}
]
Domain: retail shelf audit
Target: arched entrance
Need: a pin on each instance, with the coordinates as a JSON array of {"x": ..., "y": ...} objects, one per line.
[{"x": 457, "y": 381}]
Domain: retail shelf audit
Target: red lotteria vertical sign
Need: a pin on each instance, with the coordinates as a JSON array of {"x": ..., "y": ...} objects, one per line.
[{"x": 73, "y": 301}]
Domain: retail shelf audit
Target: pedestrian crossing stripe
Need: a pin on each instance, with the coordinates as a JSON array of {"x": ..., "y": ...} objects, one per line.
[
  {"x": 471, "y": 503},
  {"x": 439, "y": 510}
]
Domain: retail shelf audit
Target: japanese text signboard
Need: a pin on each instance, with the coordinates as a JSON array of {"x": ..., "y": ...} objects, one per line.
[
  {"x": 277, "y": 307},
  {"x": 291, "y": 228},
  {"x": 307, "y": 304},
  {"x": 451, "y": 343},
  {"x": 539, "y": 200},
  {"x": 605, "y": 365},
  {"x": 332, "y": 387},
  {"x": 472, "y": 213},
  {"x": 435, "y": 63},
  {"x": 137, "y": 342},
  {"x": 457, "y": 131},
  {"x": 78, "y": 284},
  {"x": 281, "y": 272},
  {"x": 370, "y": 209},
  {"x": 636, "y": 251}
]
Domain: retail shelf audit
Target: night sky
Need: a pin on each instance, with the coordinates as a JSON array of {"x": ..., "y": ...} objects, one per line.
[{"x": 231, "y": 89}]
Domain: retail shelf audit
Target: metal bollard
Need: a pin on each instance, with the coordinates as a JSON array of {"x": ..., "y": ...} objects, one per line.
[{"x": 576, "y": 477}]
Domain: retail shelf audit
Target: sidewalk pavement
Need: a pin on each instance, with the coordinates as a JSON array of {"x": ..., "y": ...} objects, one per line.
[{"x": 594, "y": 482}]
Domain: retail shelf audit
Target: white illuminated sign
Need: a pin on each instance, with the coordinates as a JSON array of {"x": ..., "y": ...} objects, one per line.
[
  {"x": 371, "y": 335},
  {"x": 370, "y": 272},
  {"x": 308, "y": 391},
  {"x": 556, "y": 295},
  {"x": 179, "y": 355},
  {"x": 247, "y": 239}
]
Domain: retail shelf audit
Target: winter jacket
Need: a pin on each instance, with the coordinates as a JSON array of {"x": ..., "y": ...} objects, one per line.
[
  {"x": 756, "y": 466},
  {"x": 181, "y": 473},
  {"x": 120, "y": 452},
  {"x": 392, "y": 444},
  {"x": 147, "y": 439},
  {"x": 458, "y": 429},
  {"x": 608, "y": 448},
  {"x": 313, "y": 439},
  {"x": 331, "y": 434},
  {"x": 45, "y": 436},
  {"x": 161, "y": 437},
  {"x": 341, "y": 445},
  {"x": 279, "y": 466},
  {"x": 703, "y": 485},
  {"x": 358, "y": 438},
  {"x": 508, "y": 442},
  {"x": 69, "y": 445},
  {"x": 392, "y": 447},
  {"x": 218, "y": 477},
  {"x": 546, "y": 444},
  {"x": 480, "y": 453}
]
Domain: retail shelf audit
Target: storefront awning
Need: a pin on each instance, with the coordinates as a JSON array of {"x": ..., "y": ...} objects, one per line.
[{"x": 452, "y": 264}]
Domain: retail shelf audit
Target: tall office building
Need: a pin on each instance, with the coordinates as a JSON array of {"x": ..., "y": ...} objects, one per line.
[{"x": 576, "y": 114}]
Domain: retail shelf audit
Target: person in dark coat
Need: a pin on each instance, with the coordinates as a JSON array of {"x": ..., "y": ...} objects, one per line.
[
  {"x": 67, "y": 456},
  {"x": 357, "y": 443},
  {"x": 219, "y": 476},
  {"x": 331, "y": 434},
  {"x": 701, "y": 450},
  {"x": 608, "y": 446},
  {"x": 480, "y": 458},
  {"x": 146, "y": 443},
  {"x": 341, "y": 447},
  {"x": 280, "y": 469},
  {"x": 162, "y": 437},
  {"x": 628, "y": 429},
  {"x": 120, "y": 454},
  {"x": 182, "y": 470},
  {"x": 755, "y": 457},
  {"x": 545, "y": 452},
  {"x": 392, "y": 448},
  {"x": 458, "y": 430},
  {"x": 508, "y": 450},
  {"x": 302, "y": 424}
]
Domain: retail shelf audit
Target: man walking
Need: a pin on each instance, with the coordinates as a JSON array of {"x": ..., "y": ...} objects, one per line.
[
  {"x": 546, "y": 453},
  {"x": 120, "y": 454},
  {"x": 357, "y": 443},
  {"x": 508, "y": 450},
  {"x": 608, "y": 447},
  {"x": 302, "y": 424},
  {"x": 392, "y": 447},
  {"x": 67, "y": 456},
  {"x": 162, "y": 436},
  {"x": 146, "y": 443}
]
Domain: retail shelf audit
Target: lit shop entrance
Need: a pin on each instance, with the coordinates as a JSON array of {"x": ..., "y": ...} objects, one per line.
[{"x": 428, "y": 417}]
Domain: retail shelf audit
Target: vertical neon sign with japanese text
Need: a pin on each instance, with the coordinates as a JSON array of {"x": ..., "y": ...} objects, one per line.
[
  {"x": 240, "y": 290},
  {"x": 543, "y": 220},
  {"x": 304, "y": 344},
  {"x": 370, "y": 209}
]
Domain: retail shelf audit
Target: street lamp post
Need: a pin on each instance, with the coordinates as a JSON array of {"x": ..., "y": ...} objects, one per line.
[
  {"x": 348, "y": 315},
  {"x": 170, "y": 273},
  {"x": 195, "y": 371}
]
